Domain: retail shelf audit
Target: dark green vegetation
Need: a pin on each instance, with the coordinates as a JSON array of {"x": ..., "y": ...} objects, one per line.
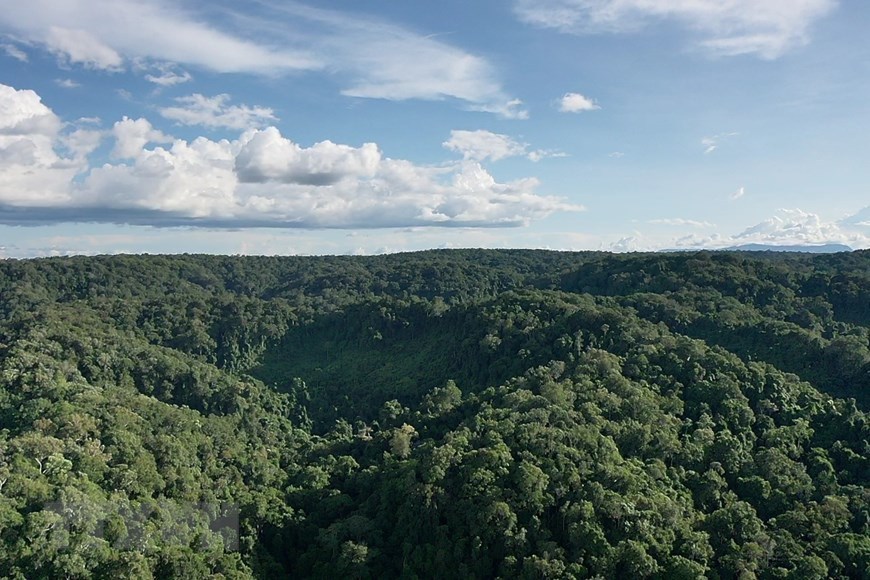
[{"x": 455, "y": 414}]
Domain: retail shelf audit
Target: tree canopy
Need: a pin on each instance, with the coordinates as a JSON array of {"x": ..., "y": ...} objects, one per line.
[{"x": 443, "y": 414}]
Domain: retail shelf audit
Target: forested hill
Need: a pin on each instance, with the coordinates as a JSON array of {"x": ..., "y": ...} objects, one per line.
[{"x": 443, "y": 414}]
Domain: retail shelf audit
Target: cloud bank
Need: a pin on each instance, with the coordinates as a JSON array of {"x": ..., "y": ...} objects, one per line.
[
  {"x": 792, "y": 227},
  {"x": 260, "y": 179},
  {"x": 765, "y": 28}
]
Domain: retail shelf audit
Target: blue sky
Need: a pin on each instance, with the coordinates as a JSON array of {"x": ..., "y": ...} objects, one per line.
[{"x": 363, "y": 127}]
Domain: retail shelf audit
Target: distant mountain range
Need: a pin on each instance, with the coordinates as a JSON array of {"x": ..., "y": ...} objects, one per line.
[
  {"x": 822, "y": 249},
  {"x": 809, "y": 249}
]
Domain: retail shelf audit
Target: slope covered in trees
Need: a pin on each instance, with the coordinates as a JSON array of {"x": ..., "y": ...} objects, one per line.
[{"x": 449, "y": 414}]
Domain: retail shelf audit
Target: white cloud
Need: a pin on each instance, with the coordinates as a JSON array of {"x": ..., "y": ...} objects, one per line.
[
  {"x": 260, "y": 179},
  {"x": 266, "y": 156},
  {"x": 81, "y": 47},
  {"x": 741, "y": 191},
  {"x": 386, "y": 61},
  {"x": 539, "y": 154},
  {"x": 767, "y": 28},
  {"x": 23, "y": 114},
  {"x": 131, "y": 136},
  {"x": 441, "y": 71},
  {"x": 214, "y": 112},
  {"x": 634, "y": 243},
  {"x": 481, "y": 145},
  {"x": 67, "y": 83},
  {"x": 681, "y": 222},
  {"x": 710, "y": 144},
  {"x": 371, "y": 58},
  {"x": 795, "y": 226},
  {"x": 512, "y": 109},
  {"x": 80, "y": 143},
  {"x": 31, "y": 172},
  {"x": 789, "y": 227},
  {"x": 165, "y": 74},
  {"x": 189, "y": 179},
  {"x": 14, "y": 52},
  {"x": 263, "y": 179},
  {"x": 860, "y": 220},
  {"x": 376, "y": 59},
  {"x": 576, "y": 103},
  {"x": 97, "y": 32}
]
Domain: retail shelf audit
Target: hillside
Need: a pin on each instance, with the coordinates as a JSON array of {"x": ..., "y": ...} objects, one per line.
[{"x": 443, "y": 414}]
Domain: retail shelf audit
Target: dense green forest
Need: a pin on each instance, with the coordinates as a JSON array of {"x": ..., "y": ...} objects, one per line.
[{"x": 444, "y": 414}]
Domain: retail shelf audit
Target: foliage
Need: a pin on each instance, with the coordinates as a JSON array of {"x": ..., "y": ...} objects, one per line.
[{"x": 446, "y": 414}]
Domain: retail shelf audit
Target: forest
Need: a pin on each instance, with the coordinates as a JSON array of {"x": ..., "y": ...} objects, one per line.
[{"x": 442, "y": 414}]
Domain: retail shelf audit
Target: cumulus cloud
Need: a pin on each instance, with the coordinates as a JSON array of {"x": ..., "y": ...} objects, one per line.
[
  {"x": 795, "y": 226},
  {"x": 260, "y": 179},
  {"x": 31, "y": 172},
  {"x": 740, "y": 192},
  {"x": 131, "y": 136},
  {"x": 79, "y": 143},
  {"x": 23, "y": 114},
  {"x": 576, "y": 103},
  {"x": 634, "y": 243},
  {"x": 481, "y": 145},
  {"x": 790, "y": 227},
  {"x": 266, "y": 156},
  {"x": 191, "y": 180},
  {"x": 263, "y": 179},
  {"x": 215, "y": 112},
  {"x": 766, "y": 28}
]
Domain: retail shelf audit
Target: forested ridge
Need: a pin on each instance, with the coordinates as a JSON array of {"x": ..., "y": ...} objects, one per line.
[{"x": 442, "y": 414}]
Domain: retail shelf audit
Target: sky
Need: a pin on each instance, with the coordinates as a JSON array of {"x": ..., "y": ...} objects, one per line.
[{"x": 362, "y": 127}]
